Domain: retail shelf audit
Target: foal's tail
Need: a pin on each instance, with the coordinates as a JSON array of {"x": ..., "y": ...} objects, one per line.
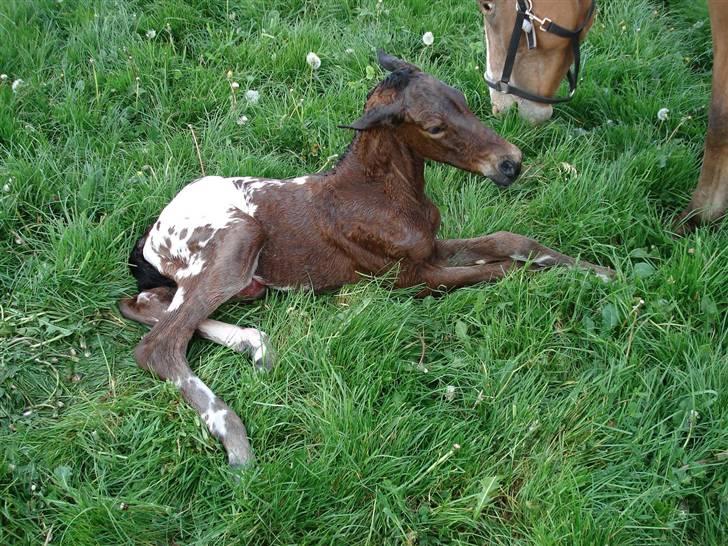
[{"x": 146, "y": 275}]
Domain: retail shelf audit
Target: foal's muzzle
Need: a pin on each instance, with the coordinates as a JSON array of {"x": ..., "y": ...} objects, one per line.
[
  {"x": 505, "y": 171},
  {"x": 510, "y": 169}
]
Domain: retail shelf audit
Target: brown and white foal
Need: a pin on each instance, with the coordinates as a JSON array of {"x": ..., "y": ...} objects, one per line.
[{"x": 224, "y": 238}]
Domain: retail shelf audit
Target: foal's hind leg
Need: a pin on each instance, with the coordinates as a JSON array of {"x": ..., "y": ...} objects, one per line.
[
  {"x": 228, "y": 263},
  {"x": 148, "y": 307}
]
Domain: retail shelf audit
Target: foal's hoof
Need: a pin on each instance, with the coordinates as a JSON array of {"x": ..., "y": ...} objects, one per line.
[
  {"x": 241, "y": 459},
  {"x": 256, "y": 344},
  {"x": 605, "y": 274},
  {"x": 264, "y": 356}
]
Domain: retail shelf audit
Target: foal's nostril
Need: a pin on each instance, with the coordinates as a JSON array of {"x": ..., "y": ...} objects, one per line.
[{"x": 509, "y": 168}]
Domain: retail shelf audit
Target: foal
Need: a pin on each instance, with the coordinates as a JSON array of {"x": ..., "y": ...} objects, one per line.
[{"x": 224, "y": 238}]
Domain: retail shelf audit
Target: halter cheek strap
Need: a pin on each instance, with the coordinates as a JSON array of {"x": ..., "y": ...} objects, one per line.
[{"x": 526, "y": 22}]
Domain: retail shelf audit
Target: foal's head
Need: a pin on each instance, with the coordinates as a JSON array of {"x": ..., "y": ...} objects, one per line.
[
  {"x": 541, "y": 69},
  {"x": 434, "y": 121}
]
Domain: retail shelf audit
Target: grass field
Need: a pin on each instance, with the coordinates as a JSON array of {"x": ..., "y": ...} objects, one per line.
[{"x": 585, "y": 413}]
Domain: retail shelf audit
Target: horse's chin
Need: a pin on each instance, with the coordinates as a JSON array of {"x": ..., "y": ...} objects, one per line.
[{"x": 534, "y": 112}]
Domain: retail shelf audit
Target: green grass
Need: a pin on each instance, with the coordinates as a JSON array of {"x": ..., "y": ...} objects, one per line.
[{"x": 583, "y": 416}]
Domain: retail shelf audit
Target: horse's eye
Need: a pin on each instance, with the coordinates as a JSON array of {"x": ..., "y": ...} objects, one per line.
[
  {"x": 487, "y": 6},
  {"x": 436, "y": 130}
]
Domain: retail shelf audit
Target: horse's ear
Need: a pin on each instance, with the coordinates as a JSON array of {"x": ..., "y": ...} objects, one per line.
[
  {"x": 392, "y": 63},
  {"x": 378, "y": 116}
]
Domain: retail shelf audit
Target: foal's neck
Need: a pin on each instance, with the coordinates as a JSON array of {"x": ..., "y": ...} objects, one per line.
[{"x": 378, "y": 157}]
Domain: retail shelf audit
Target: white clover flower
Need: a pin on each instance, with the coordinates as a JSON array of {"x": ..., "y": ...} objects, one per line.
[
  {"x": 3, "y": 78},
  {"x": 6, "y": 188},
  {"x": 313, "y": 60},
  {"x": 450, "y": 393},
  {"x": 242, "y": 120},
  {"x": 16, "y": 85},
  {"x": 663, "y": 114},
  {"x": 151, "y": 34},
  {"x": 252, "y": 96},
  {"x": 428, "y": 38},
  {"x": 235, "y": 86}
]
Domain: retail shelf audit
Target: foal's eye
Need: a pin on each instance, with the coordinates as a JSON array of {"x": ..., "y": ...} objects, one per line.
[
  {"x": 436, "y": 130},
  {"x": 487, "y": 6}
]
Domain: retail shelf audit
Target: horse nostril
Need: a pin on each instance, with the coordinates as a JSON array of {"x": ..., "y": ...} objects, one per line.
[{"x": 509, "y": 168}]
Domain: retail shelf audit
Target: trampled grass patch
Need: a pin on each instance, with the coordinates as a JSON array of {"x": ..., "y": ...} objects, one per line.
[{"x": 546, "y": 408}]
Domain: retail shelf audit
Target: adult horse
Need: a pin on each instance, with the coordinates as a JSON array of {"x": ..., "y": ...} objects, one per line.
[{"x": 530, "y": 47}]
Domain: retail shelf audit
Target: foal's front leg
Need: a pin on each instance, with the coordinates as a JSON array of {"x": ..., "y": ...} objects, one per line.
[
  {"x": 463, "y": 262},
  {"x": 504, "y": 245}
]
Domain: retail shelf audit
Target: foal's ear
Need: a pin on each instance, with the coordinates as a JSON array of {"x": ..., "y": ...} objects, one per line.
[
  {"x": 386, "y": 114},
  {"x": 392, "y": 63}
]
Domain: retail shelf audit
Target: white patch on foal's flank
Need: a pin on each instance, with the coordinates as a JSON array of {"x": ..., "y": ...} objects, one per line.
[
  {"x": 179, "y": 298},
  {"x": 212, "y": 202}
]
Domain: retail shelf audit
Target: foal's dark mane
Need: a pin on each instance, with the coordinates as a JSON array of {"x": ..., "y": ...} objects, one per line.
[{"x": 397, "y": 80}]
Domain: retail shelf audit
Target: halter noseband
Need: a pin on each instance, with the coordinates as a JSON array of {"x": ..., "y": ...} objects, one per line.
[{"x": 525, "y": 22}]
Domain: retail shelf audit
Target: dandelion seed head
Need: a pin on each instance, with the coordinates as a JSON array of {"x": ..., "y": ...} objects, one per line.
[
  {"x": 151, "y": 34},
  {"x": 235, "y": 86},
  {"x": 252, "y": 96},
  {"x": 3, "y": 78},
  {"x": 663, "y": 114},
  {"x": 313, "y": 60},
  {"x": 450, "y": 393},
  {"x": 428, "y": 38},
  {"x": 16, "y": 85},
  {"x": 242, "y": 120}
]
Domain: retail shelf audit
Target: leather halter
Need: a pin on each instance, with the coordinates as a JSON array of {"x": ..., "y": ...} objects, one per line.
[{"x": 525, "y": 18}]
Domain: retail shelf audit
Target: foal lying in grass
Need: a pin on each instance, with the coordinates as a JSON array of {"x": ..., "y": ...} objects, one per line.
[{"x": 224, "y": 238}]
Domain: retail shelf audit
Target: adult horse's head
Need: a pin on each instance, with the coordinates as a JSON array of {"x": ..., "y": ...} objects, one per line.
[
  {"x": 433, "y": 120},
  {"x": 530, "y": 46}
]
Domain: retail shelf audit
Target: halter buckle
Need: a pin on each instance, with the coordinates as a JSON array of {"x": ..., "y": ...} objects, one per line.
[{"x": 544, "y": 23}]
